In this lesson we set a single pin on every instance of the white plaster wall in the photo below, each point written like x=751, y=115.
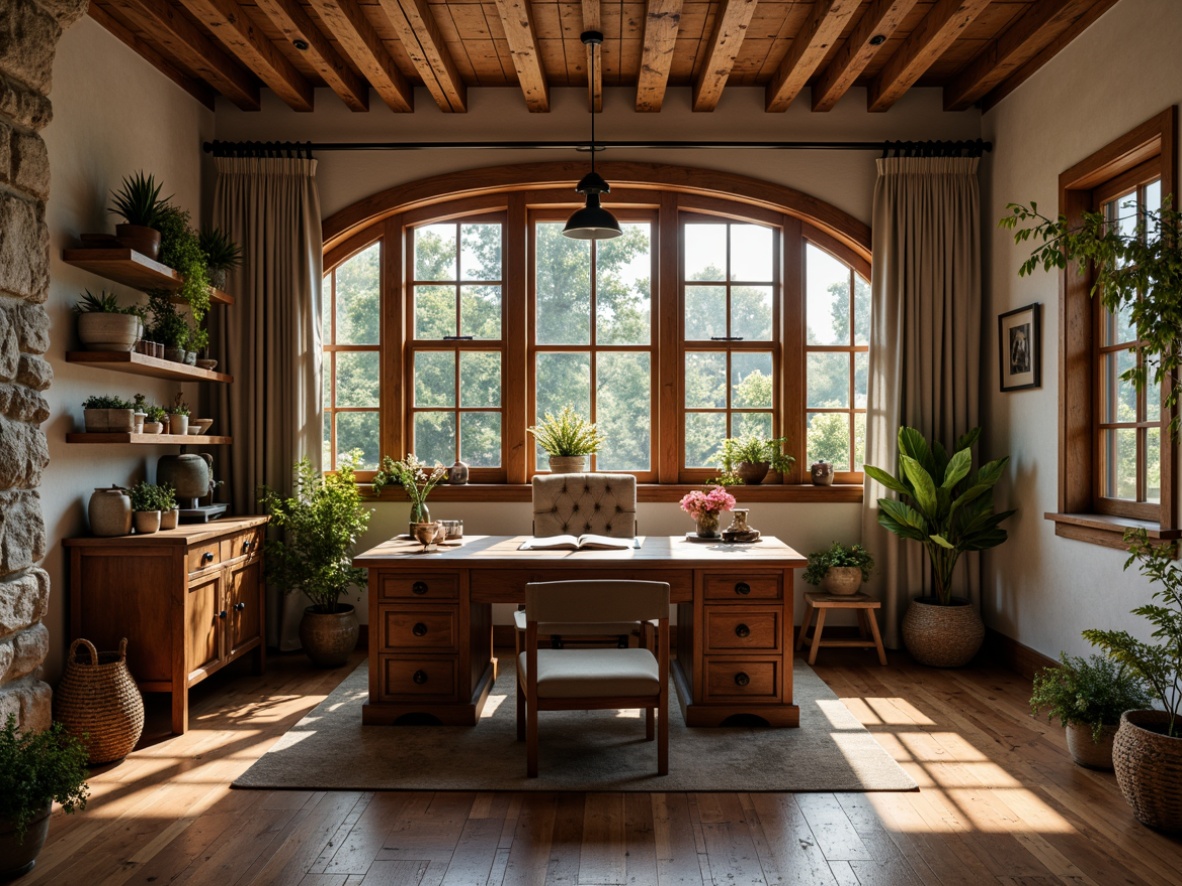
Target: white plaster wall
x=114, y=114
x=1041, y=589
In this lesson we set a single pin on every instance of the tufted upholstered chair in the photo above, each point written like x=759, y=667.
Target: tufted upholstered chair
x=604, y=504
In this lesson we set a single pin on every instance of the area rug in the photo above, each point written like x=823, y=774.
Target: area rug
x=330, y=749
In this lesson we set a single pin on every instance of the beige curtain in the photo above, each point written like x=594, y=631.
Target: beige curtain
x=269, y=340
x=925, y=343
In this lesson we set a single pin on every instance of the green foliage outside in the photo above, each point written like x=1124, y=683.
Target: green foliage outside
x=37, y=768
x=1091, y=692
x=838, y=554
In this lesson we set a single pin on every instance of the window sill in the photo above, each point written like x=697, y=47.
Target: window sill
x=1105, y=530
x=646, y=492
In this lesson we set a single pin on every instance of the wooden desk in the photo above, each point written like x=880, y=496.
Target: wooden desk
x=430, y=622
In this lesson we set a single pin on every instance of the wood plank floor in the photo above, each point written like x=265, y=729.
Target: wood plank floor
x=1000, y=802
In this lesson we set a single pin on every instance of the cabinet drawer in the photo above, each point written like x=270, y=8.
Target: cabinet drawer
x=242, y=545
x=403, y=678
x=435, y=629
x=742, y=679
x=420, y=587
x=204, y=556
x=729, y=628
x=738, y=588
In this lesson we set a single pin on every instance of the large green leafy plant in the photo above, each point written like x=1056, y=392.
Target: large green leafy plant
x=39, y=767
x=944, y=506
x=1091, y=691
x=319, y=527
x=566, y=434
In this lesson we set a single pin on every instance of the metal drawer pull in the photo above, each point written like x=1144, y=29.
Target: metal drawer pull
x=743, y=588
x=741, y=630
x=420, y=677
x=419, y=630
x=741, y=679
x=207, y=557
x=222, y=614
x=419, y=587
x=238, y=607
x=247, y=545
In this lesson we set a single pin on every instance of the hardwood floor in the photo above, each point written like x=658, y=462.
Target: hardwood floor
x=1000, y=802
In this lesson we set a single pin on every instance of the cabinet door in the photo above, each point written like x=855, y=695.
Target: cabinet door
x=244, y=605
x=203, y=623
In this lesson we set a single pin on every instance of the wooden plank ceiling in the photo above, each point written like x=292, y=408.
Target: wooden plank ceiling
x=811, y=51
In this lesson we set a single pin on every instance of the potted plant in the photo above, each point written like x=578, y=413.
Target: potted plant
x=146, y=504
x=36, y=769
x=417, y=480
x=781, y=462
x=139, y=413
x=170, y=512
x=567, y=439
x=178, y=418
x=222, y=255
x=840, y=569
x=154, y=419
x=180, y=249
x=750, y=457
x=105, y=326
x=318, y=527
x=138, y=203
x=706, y=507
x=108, y=415
x=949, y=510
x=170, y=329
x=1088, y=696
x=1147, y=750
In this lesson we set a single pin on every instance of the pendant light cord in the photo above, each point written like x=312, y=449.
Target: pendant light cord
x=590, y=39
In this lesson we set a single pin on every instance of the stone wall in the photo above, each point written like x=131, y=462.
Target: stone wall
x=29, y=32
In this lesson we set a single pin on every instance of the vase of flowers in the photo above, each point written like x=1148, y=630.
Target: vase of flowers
x=416, y=478
x=705, y=508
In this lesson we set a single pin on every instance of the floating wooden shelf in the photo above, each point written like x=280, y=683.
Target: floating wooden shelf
x=132, y=268
x=141, y=364
x=148, y=439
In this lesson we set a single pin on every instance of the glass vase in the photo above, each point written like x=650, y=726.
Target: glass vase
x=708, y=525
x=419, y=512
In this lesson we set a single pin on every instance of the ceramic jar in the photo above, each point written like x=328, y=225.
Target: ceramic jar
x=109, y=512
x=457, y=474
x=822, y=473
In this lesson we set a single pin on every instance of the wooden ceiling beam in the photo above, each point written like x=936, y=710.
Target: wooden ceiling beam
x=939, y=29
x=1038, y=27
x=518, y=21
x=229, y=24
x=730, y=27
x=199, y=89
x=296, y=24
x=593, y=53
x=346, y=21
x=827, y=19
x=421, y=38
x=177, y=36
x=662, y=20
x=881, y=19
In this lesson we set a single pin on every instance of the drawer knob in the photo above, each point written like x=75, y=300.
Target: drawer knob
x=420, y=677
x=222, y=614
x=247, y=545
x=419, y=630
x=238, y=607
x=741, y=679
x=741, y=630
x=419, y=587
x=207, y=557
x=742, y=589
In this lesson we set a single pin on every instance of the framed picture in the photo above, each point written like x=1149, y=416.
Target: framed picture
x=1019, y=342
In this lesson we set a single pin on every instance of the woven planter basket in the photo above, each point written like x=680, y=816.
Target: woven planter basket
x=98, y=699
x=1084, y=751
x=1148, y=767
x=942, y=636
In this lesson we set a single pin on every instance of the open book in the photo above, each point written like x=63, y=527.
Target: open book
x=586, y=542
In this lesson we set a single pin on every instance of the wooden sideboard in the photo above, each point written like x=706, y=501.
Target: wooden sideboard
x=189, y=601
x=430, y=622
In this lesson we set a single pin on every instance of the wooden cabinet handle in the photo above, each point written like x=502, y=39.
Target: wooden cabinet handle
x=207, y=557
x=741, y=630
x=742, y=588
x=238, y=607
x=419, y=587
x=741, y=679
x=420, y=677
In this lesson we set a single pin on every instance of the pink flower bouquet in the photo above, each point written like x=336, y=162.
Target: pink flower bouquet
x=698, y=503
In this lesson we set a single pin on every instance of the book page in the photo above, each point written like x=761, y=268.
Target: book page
x=589, y=541
x=550, y=543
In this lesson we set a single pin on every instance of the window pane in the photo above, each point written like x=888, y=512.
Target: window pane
x=623, y=270
x=1152, y=399
x=623, y=392
x=752, y=424
x=861, y=378
x=705, y=312
x=861, y=310
x=1120, y=400
x=1118, y=328
x=480, y=439
x=704, y=431
x=751, y=375
x=563, y=380
x=358, y=379
x=563, y=273
x=1119, y=447
x=859, y=440
x=827, y=298
x=829, y=380
x=752, y=253
x=705, y=380
x=435, y=252
x=359, y=298
x=829, y=439
x=751, y=313
x=1153, y=465
x=326, y=381
x=480, y=311
x=358, y=430
x=1153, y=196
x=435, y=380
x=326, y=444
x=480, y=379
x=705, y=252
x=435, y=312
x=326, y=331
x=435, y=437
x=480, y=252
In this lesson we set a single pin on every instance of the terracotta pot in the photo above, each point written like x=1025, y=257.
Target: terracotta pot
x=1148, y=766
x=842, y=581
x=16, y=857
x=141, y=238
x=568, y=464
x=146, y=522
x=1086, y=752
x=942, y=636
x=329, y=637
x=752, y=473
x=100, y=331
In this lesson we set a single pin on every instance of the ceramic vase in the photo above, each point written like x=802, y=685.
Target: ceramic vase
x=109, y=512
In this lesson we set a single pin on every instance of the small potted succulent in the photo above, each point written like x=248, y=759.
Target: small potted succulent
x=108, y=415
x=104, y=325
x=839, y=569
x=139, y=204
x=567, y=438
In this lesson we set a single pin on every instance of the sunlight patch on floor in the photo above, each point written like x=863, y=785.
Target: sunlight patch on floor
x=490, y=706
x=898, y=711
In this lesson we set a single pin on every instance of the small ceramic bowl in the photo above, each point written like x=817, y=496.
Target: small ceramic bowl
x=199, y=425
x=206, y=363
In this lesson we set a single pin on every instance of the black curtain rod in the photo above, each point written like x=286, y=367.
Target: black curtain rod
x=972, y=148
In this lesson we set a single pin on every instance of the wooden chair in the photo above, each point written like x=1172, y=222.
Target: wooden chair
x=593, y=679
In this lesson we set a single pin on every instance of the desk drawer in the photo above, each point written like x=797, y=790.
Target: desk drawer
x=416, y=678
x=243, y=545
x=204, y=556
x=435, y=630
x=508, y=585
x=730, y=680
x=428, y=586
x=729, y=628
x=738, y=588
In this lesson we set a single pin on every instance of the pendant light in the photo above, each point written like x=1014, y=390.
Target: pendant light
x=592, y=222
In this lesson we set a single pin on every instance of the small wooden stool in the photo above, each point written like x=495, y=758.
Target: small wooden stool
x=867, y=622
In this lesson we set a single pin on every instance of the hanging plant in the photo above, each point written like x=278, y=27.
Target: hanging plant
x=180, y=249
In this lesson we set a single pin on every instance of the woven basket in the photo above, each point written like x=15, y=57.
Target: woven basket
x=942, y=636
x=98, y=701
x=1148, y=767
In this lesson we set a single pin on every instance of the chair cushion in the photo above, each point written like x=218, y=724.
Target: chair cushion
x=590, y=673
